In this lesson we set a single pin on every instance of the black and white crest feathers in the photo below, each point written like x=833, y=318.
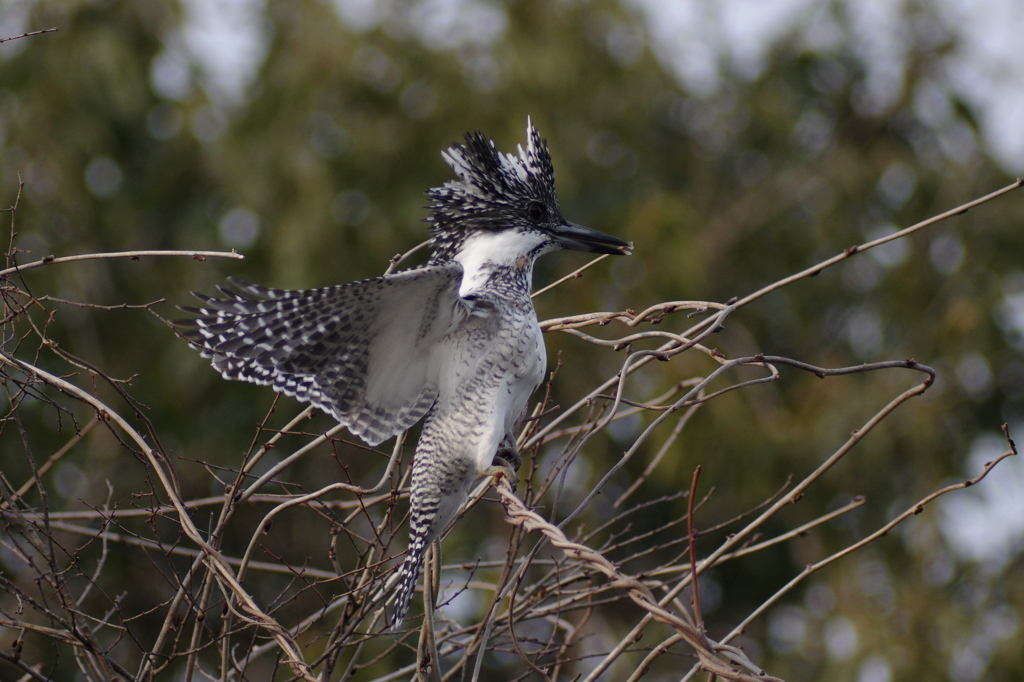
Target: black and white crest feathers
x=494, y=191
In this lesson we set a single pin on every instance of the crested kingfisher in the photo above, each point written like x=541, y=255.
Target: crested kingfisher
x=454, y=342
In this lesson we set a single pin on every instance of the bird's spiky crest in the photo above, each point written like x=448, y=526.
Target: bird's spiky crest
x=493, y=191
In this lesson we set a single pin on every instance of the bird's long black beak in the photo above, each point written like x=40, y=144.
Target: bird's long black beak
x=578, y=238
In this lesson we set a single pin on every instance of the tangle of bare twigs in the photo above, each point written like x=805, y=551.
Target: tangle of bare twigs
x=222, y=599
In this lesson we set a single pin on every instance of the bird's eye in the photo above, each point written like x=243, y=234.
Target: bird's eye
x=537, y=211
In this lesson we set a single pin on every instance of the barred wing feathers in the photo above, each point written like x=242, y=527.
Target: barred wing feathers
x=365, y=352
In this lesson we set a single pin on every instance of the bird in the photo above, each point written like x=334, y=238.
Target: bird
x=454, y=342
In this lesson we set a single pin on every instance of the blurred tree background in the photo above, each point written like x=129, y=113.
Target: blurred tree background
x=734, y=145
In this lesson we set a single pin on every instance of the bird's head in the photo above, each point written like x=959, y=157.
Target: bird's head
x=506, y=202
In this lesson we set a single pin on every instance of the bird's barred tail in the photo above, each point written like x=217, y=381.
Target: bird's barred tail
x=440, y=484
x=420, y=537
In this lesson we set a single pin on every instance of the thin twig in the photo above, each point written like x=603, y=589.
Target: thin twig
x=851, y=251
x=30, y=34
x=130, y=255
x=575, y=274
x=691, y=537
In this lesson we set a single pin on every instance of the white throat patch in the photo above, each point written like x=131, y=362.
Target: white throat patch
x=486, y=250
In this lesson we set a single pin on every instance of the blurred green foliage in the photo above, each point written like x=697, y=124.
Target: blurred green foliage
x=316, y=174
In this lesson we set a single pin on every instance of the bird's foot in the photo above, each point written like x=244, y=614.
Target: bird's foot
x=506, y=463
x=509, y=457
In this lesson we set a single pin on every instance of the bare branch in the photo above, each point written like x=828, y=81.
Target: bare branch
x=30, y=33
x=130, y=255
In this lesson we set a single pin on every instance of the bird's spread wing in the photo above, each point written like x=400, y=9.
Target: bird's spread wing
x=364, y=352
